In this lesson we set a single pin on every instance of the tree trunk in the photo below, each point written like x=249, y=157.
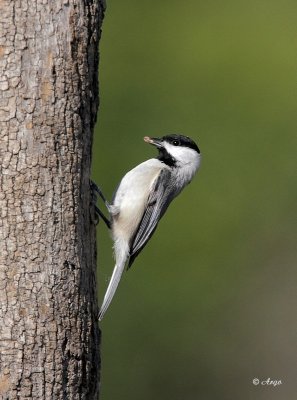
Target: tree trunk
x=49, y=336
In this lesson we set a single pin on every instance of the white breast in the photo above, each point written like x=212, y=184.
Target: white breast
x=131, y=197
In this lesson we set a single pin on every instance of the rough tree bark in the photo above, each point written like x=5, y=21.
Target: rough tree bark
x=49, y=336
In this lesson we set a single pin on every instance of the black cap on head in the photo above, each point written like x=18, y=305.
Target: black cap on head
x=181, y=140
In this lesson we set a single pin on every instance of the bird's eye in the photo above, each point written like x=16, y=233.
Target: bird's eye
x=175, y=143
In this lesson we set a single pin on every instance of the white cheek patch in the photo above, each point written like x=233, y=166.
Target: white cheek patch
x=182, y=154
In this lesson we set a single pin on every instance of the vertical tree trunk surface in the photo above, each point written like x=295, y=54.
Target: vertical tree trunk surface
x=49, y=336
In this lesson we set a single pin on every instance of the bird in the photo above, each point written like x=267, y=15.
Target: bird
x=141, y=199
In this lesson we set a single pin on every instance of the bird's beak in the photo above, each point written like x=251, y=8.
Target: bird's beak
x=154, y=141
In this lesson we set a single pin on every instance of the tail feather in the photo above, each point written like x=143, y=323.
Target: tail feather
x=112, y=287
x=121, y=249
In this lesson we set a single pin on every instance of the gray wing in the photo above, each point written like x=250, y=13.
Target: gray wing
x=159, y=199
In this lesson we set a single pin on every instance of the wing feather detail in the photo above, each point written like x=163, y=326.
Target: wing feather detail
x=159, y=199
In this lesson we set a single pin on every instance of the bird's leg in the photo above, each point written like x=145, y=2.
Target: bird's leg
x=95, y=189
x=106, y=220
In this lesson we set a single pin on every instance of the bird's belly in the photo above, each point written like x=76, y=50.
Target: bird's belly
x=131, y=200
x=126, y=223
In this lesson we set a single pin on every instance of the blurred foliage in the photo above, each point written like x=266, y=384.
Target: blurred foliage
x=210, y=304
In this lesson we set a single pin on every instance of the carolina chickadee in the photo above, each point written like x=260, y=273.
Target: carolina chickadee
x=142, y=198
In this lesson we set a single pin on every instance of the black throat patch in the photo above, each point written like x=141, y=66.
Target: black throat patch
x=166, y=158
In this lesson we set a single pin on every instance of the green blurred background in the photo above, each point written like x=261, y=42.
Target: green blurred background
x=211, y=302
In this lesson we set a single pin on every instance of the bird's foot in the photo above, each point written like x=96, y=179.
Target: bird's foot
x=99, y=214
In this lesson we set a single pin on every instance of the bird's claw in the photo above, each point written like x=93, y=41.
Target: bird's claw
x=94, y=191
